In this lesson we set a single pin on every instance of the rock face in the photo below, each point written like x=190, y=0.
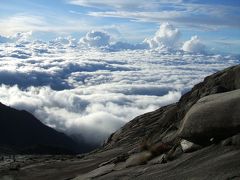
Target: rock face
x=213, y=117
x=163, y=124
x=21, y=132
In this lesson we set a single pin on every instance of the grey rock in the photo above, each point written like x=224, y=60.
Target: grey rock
x=158, y=160
x=119, y=158
x=188, y=146
x=233, y=140
x=215, y=116
x=227, y=142
x=236, y=139
x=96, y=172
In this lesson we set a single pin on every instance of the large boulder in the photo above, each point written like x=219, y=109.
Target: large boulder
x=212, y=118
x=220, y=82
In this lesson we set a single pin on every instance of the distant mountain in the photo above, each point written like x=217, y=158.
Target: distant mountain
x=21, y=132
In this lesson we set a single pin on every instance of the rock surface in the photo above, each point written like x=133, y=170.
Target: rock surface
x=138, y=159
x=216, y=116
x=188, y=146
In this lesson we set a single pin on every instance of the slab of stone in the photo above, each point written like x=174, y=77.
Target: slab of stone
x=213, y=117
x=158, y=160
x=96, y=172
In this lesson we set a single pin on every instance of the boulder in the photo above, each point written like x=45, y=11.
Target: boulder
x=188, y=146
x=213, y=117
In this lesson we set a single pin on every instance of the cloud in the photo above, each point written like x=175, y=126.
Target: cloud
x=194, y=45
x=124, y=4
x=4, y=39
x=187, y=14
x=166, y=37
x=118, y=46
x=20, y=37
x=96, y=39
x=66, y=41
x=93, y=91
x=58, y=25
x=101, y=39
x=94, y=116
x=21, y=23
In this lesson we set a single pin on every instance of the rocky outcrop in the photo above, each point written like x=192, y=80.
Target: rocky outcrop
x=163, y=124
x=212, y=118
x=206, y=115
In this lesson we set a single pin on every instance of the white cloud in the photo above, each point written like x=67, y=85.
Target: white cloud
x=21, y=23
x=4, y=39
x=166, y=37
x=93, y=92
x=194, y=45
x=52, y=24
x=123, y=4
x=19, y=37
x=188, y=14
x=101, y=39
x=96, y=39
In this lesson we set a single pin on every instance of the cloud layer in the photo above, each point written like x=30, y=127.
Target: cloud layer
x=94, y=86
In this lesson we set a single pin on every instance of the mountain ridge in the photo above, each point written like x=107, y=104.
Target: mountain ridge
x=21, y=132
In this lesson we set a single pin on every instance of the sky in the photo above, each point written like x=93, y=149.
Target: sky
x=88, y=67
x=215, y=22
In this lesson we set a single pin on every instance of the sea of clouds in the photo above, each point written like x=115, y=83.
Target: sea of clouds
x=93, y=86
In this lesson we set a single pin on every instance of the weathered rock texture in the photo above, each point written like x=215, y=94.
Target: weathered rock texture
x=213, y=117
x=163, y=124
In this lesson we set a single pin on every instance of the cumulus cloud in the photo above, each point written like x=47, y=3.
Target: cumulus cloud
x=166, y=37
x=102, y=40
x=20, y=37
x=93, y=92
x=96, y=39
x=194, y=45
x=65, y=41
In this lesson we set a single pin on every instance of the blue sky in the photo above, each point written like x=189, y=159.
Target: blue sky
x=216, y=22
